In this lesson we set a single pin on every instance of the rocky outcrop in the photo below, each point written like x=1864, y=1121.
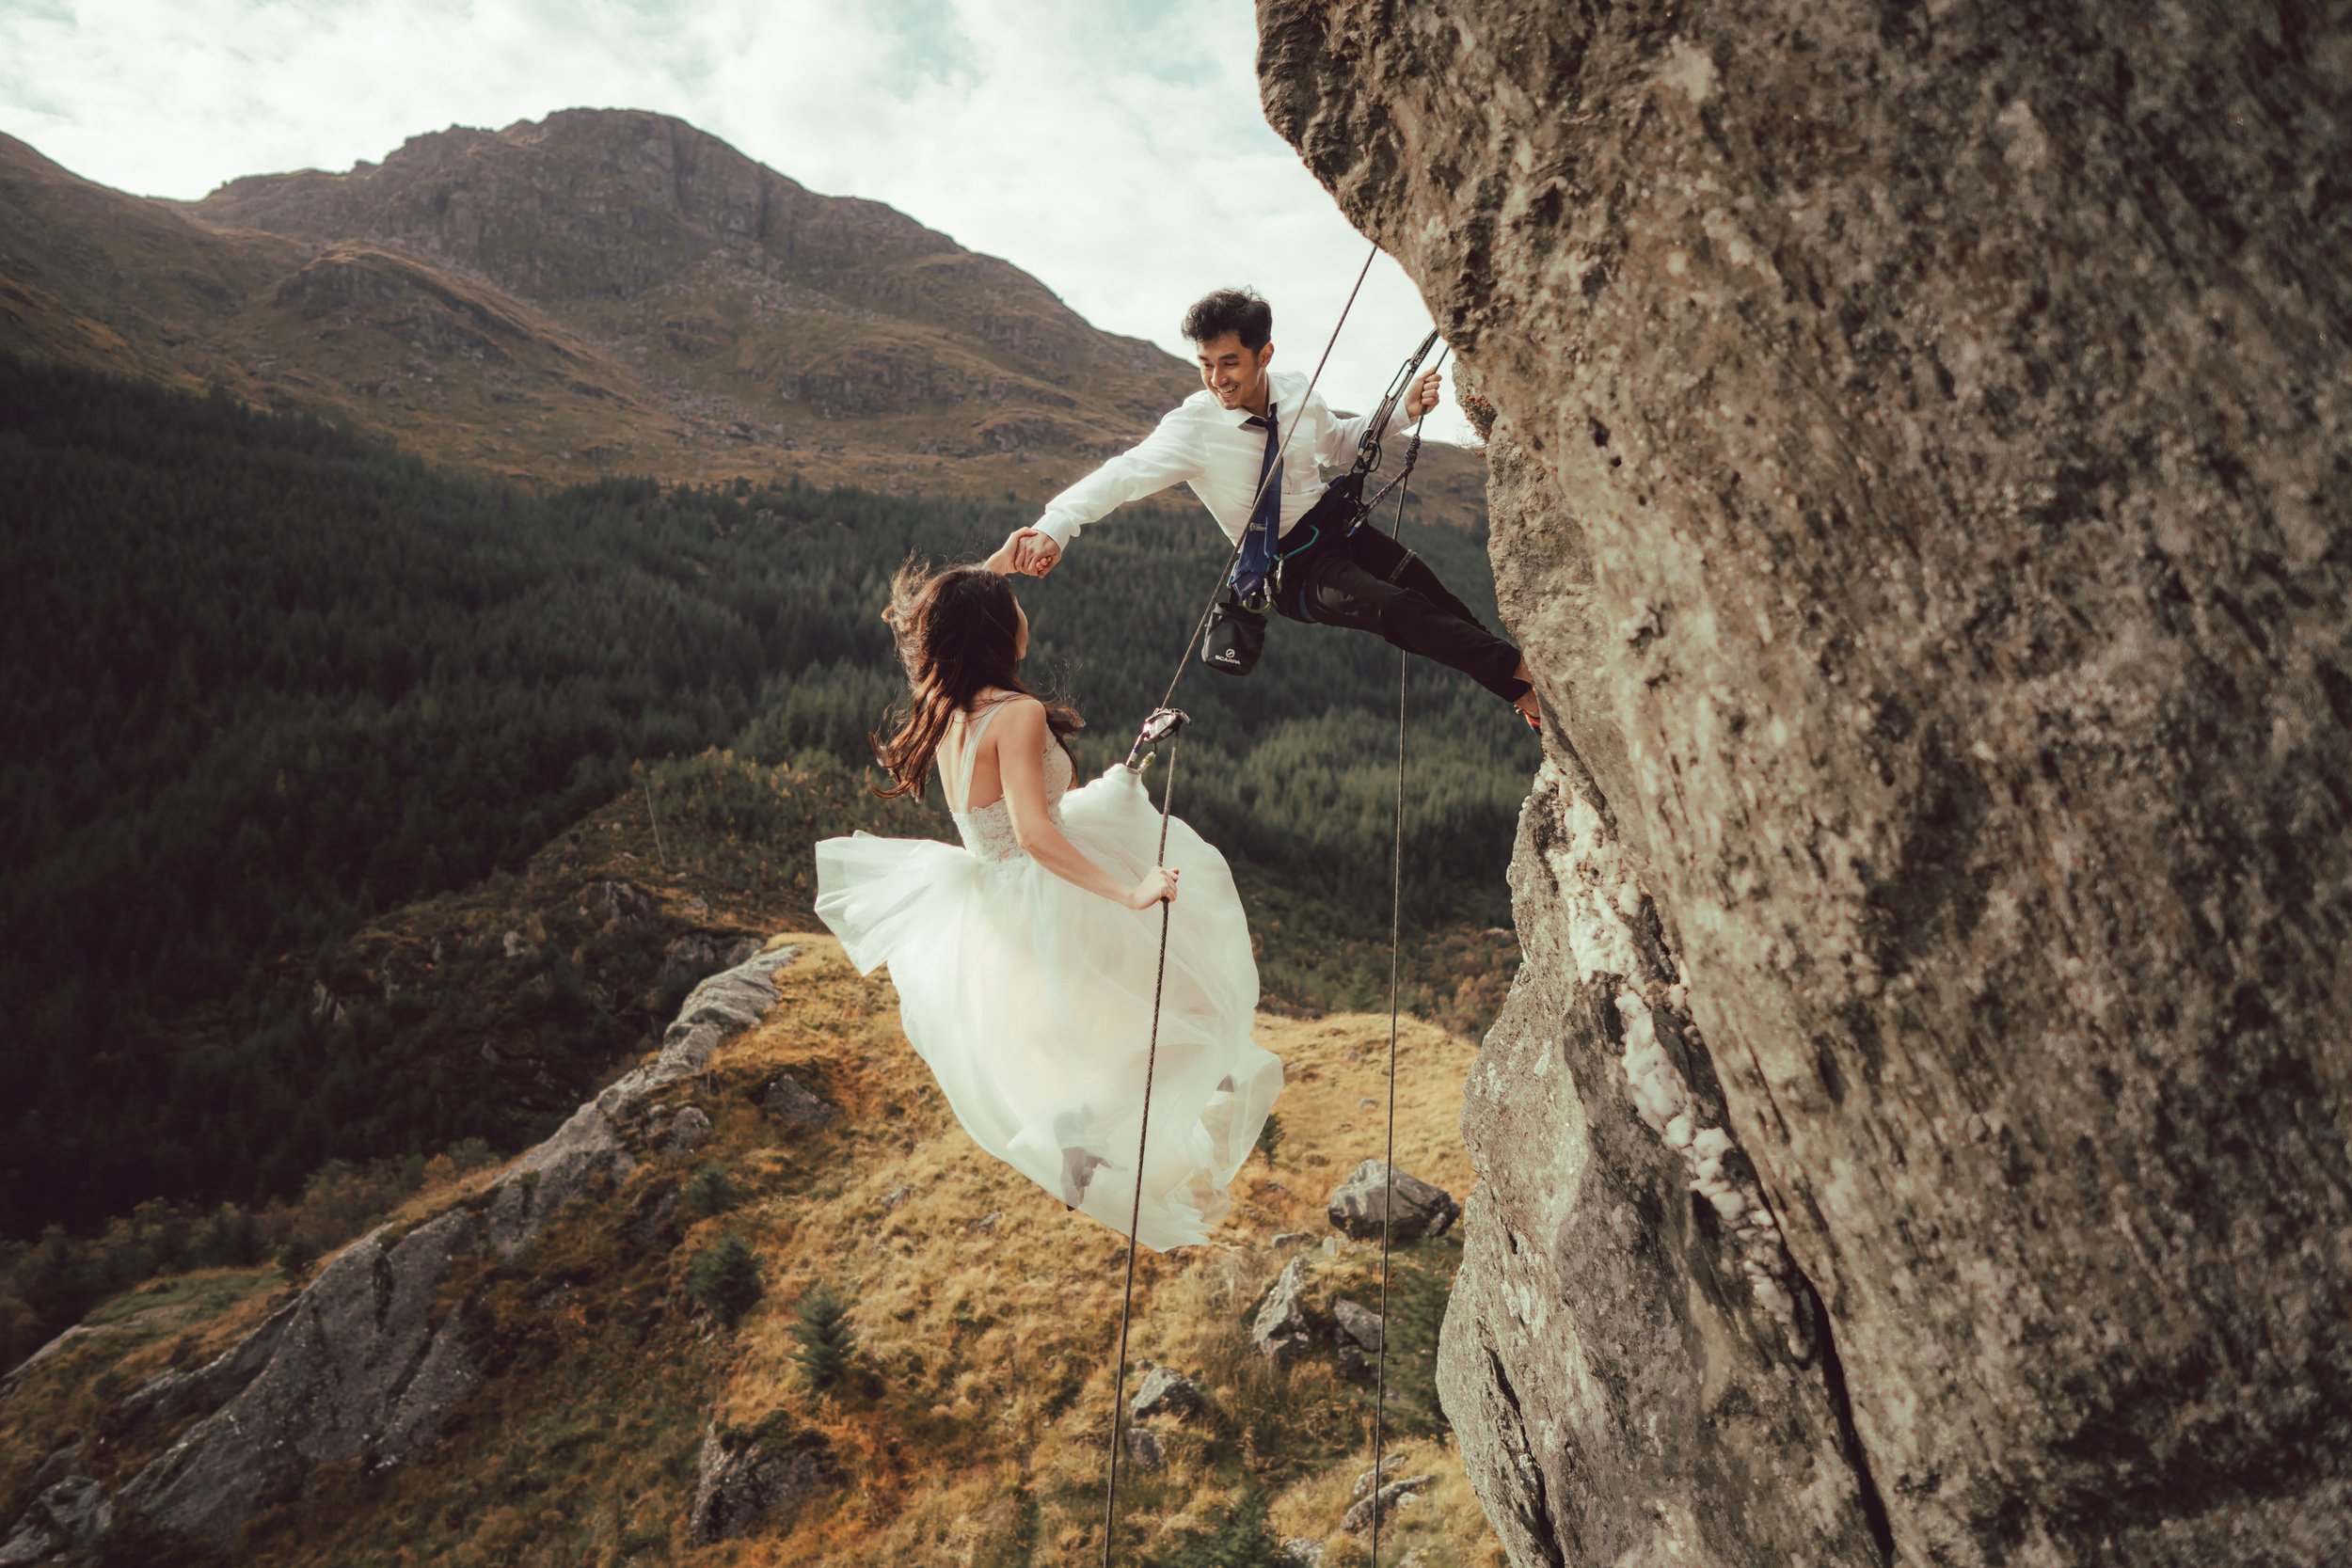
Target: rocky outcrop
x=363, y=1362
x=1358, y=1333
x=1167, y=1392
x=1285, y=1328
x=1380, y=1504
x=69, y=1515
x=751, y=1477
x=350, y=285
x=796, y=1106
x=1918, y=1128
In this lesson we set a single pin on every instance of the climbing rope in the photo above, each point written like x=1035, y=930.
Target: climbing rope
x=1171, y=732
x=1396, y=931
x=1166, y=723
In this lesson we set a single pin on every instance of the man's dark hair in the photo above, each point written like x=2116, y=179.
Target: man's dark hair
x=1239, y=310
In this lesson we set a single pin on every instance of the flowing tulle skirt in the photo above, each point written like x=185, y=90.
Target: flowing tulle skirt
x=1030, y=999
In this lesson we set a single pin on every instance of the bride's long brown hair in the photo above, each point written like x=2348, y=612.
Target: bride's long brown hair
x=957, y=631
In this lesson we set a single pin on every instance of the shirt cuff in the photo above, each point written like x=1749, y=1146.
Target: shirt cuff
x=1058, y=530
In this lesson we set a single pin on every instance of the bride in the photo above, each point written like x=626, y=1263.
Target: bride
x=1026, y=960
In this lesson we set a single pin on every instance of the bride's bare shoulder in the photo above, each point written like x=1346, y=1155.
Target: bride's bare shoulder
x=1023, y=712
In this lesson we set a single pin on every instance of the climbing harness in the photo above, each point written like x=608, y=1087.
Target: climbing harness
x=1234, y=649
x=1236, y=629
x=1165, y=724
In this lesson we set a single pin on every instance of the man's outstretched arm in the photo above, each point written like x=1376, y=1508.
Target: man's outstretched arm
x=1167, y=456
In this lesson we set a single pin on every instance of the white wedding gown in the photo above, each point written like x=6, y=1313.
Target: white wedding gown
x=1030, y=998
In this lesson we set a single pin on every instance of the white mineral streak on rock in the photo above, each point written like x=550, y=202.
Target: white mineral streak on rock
x=1595, y=886
x=1659, y=1092
x=1663, y=1101
x=1600, y=896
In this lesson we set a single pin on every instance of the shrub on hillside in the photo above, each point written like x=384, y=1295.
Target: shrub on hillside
x=723, y=1279
x=1242, y=1540
x=1270, y=1136
x=827, y=1341
x=710, y=1191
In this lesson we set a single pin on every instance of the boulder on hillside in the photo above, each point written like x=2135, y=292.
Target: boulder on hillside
x=1359, y=1325
x=700, y=953
x=1383, y=1502
x=799, y=1108
x=749, y=1476
x=1285, y=1328
x=1363, y=1479
x=1359, y=1337
x=686, y=1131
x=1421, y=1210
x=1168, y=1392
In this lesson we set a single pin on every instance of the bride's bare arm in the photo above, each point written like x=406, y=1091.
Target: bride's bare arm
x=1020, y=738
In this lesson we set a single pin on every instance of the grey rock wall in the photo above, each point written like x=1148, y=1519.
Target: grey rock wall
x=1941, y=600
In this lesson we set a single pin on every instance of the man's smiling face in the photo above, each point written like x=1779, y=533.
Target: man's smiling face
x=1234, y=374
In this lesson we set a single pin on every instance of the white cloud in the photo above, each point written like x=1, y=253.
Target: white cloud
x=1114, y=150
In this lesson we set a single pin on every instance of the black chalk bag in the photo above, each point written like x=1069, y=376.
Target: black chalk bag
x=1236, y=636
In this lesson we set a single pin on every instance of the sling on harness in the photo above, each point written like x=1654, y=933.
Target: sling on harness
x=1235, y=634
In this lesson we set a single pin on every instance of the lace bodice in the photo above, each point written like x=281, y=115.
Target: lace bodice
x=988, y=832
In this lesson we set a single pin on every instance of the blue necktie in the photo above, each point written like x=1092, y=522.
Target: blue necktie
x=1256, y=561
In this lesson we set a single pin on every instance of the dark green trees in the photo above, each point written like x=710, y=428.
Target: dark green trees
x=826, y=1339
x=723, y=1279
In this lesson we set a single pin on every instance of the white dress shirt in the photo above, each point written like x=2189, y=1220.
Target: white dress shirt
x=1205, y=444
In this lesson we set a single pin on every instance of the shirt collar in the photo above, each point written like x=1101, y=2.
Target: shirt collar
x=1278, y=398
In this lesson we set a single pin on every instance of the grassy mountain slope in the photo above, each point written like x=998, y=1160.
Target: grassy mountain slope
x=600, y=292
x=974, y=1428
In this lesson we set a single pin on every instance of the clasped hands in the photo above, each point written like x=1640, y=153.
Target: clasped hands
x=1026, y=551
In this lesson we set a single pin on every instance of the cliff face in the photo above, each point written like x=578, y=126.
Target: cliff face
x=1920, y=488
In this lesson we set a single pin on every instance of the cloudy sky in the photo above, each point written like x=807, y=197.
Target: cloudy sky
x=1113, y=148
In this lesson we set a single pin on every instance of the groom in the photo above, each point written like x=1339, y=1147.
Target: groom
x=1223, y=441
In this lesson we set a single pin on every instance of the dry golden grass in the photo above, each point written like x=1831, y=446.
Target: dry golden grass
x=997, y=1344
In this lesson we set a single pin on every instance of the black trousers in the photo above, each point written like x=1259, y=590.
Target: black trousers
x=1367, y=580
